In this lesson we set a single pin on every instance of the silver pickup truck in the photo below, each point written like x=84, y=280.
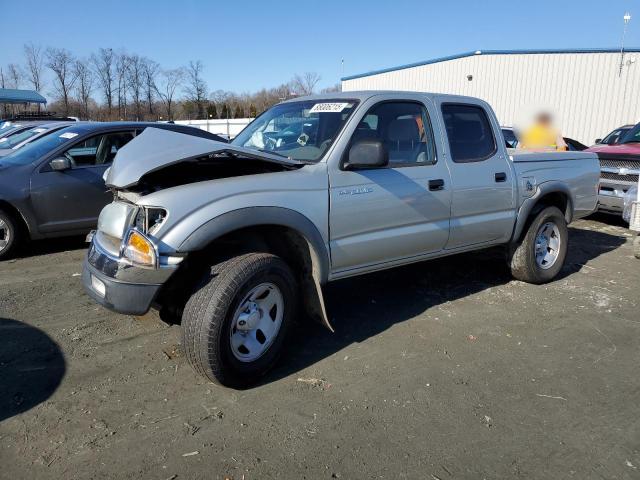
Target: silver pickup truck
x=231, y=239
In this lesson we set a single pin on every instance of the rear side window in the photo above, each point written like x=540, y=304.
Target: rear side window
x=469, y=132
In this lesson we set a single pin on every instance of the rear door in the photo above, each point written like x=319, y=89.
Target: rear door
x=483, y=196
x=72, y=199
x=383, y=215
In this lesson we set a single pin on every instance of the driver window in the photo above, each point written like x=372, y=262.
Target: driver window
x=405, y=131
x=98, y=150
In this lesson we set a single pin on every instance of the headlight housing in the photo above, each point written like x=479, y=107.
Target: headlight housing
x=139, y=249
x=149, y=219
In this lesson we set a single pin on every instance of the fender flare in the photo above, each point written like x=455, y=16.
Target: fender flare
x=530, y=203
x=257, y=216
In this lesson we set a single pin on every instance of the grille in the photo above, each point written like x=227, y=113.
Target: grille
x=607, y=162
x=614, y=177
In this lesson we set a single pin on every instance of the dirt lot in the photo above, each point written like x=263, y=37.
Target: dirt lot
x=442, y=370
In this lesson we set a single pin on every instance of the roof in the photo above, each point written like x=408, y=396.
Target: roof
x=12, y=95
x=491, y=52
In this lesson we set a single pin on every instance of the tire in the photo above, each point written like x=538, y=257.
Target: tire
x=9, y=235
x=636, y=246
x=211, y=322
x=531, y=268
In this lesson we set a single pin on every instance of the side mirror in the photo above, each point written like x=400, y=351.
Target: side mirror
x=367, y=154
x=598, y=140
x=60, y=164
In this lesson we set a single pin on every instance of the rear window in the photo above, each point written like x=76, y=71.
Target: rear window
x=469, y=132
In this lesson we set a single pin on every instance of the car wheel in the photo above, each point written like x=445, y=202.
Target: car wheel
x=235, y=322
x=539, y=257
x=9, y=232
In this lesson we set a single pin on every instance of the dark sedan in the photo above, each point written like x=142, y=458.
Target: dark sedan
x=54, y=185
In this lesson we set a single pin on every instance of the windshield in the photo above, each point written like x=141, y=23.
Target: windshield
x=13, y=140
x=34, y=150
x=301, y=130
x=632, y=136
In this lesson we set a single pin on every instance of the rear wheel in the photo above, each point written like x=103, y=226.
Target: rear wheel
x=539, y=257
x=9, y=232
x=236, y=320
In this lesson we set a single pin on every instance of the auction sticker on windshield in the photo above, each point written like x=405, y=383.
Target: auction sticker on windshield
x=68, y=135
x=328, y=107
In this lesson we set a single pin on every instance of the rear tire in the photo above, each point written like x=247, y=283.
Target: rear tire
x=235, y=323
x=9, y=235
x=540, y=255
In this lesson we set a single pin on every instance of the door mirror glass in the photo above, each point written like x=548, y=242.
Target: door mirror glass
x=367, y=154
x=60, y=164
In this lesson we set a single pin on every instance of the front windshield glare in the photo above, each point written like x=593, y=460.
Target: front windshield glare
x=34, y=150
x=302, y=130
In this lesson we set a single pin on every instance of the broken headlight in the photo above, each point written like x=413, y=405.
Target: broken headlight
x=149, y=219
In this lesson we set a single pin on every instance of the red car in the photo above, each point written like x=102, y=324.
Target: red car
x=619, y=167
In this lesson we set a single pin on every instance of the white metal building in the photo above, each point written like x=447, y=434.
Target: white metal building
x=586, y=89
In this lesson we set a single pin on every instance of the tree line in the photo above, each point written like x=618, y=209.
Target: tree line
x=117, y=85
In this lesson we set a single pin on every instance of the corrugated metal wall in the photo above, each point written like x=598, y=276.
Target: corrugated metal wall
x=584, y=90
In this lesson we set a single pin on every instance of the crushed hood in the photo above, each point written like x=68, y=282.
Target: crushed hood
x=156, y=148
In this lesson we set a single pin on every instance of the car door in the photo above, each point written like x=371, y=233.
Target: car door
x=483, y=196
x=382, y=215
x=72, y=199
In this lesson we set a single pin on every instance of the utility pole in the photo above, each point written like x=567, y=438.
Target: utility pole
x=626, y=19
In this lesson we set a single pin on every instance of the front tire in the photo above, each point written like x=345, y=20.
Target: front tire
x=9, y=233
x=236, y=321
x=539, y=257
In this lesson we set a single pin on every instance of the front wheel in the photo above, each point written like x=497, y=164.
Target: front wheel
x=539, y=257
x=235, y=323
x=9, y=232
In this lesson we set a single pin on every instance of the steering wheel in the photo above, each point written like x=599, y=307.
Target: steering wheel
x=68, y=156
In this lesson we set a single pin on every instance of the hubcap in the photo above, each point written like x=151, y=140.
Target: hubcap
x=4, y=235
x=256, y=322
x=547, y=246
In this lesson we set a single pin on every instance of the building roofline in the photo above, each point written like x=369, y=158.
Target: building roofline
x=489, y=52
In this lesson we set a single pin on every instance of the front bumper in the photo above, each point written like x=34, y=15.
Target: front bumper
x=118, y=285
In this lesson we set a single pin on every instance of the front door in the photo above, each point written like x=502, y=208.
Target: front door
x=387, y=214
x=483, y=197
x=72, y=199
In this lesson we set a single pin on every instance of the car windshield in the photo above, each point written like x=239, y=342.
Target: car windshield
x=34, y=150
x=301, y=130
x=632, y=136
x=13, y=140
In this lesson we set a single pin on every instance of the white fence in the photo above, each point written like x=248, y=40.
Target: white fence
x=229, y=128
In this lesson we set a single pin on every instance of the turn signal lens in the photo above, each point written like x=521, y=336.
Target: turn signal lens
x=139, y=249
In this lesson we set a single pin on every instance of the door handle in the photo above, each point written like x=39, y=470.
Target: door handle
x=435, y=185
x=501, y=177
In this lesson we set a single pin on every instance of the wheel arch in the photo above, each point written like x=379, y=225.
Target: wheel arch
x=10, y=209
x=548, y=194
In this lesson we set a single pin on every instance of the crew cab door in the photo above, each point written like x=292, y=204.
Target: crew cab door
x=383, y=215
x=483, y=196
x=72, y=199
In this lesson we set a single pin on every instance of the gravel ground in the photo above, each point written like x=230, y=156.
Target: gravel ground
x=441, y=370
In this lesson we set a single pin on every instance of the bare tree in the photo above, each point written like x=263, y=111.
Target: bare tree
x=61, y=62
x=196, y=88
x=150, y=70
x=305, y=84
x=335, y=88
x=35, y=65
x=14, y=74
x=121, y=67
x=170, y=80
x=84, y=85
x=104, y=69
x=135, y=82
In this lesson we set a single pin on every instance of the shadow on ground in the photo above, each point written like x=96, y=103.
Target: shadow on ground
x=364, y=306
x=31, y=367
x=52, y=245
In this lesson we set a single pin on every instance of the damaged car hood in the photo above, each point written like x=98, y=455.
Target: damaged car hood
x=156, y=148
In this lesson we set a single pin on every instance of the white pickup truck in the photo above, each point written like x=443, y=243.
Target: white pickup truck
x=229, y=239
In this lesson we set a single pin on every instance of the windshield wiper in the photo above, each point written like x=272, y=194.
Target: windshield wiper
x=264, y=150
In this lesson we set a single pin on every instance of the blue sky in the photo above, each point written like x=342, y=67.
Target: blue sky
x=249, y=45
